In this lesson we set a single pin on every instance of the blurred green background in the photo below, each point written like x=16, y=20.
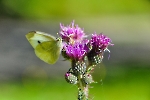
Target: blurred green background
x=125, y=76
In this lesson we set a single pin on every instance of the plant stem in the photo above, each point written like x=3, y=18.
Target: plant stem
x=82, y=89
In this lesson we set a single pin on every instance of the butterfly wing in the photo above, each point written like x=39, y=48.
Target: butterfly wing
x=46, y=47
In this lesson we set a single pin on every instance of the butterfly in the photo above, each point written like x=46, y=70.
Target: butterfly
x=46, y=47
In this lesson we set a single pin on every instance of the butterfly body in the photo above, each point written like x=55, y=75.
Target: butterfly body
x=46, y=47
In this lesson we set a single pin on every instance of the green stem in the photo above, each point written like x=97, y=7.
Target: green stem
x=82, y=89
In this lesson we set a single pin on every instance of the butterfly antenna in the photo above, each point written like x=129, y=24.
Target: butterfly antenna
x=59, y=38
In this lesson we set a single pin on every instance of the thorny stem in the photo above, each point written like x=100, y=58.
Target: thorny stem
x=82, y=89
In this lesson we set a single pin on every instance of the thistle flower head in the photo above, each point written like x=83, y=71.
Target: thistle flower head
x=76, y=51
x=71, y=33
x=100, y=42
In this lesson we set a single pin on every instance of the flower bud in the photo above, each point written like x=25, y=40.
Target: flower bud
x=88, y=79
x=78, y=67
x=70, y=78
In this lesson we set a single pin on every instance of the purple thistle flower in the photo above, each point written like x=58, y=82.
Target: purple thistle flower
x=76, y=51
x=100, y=42
x=71, y=33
